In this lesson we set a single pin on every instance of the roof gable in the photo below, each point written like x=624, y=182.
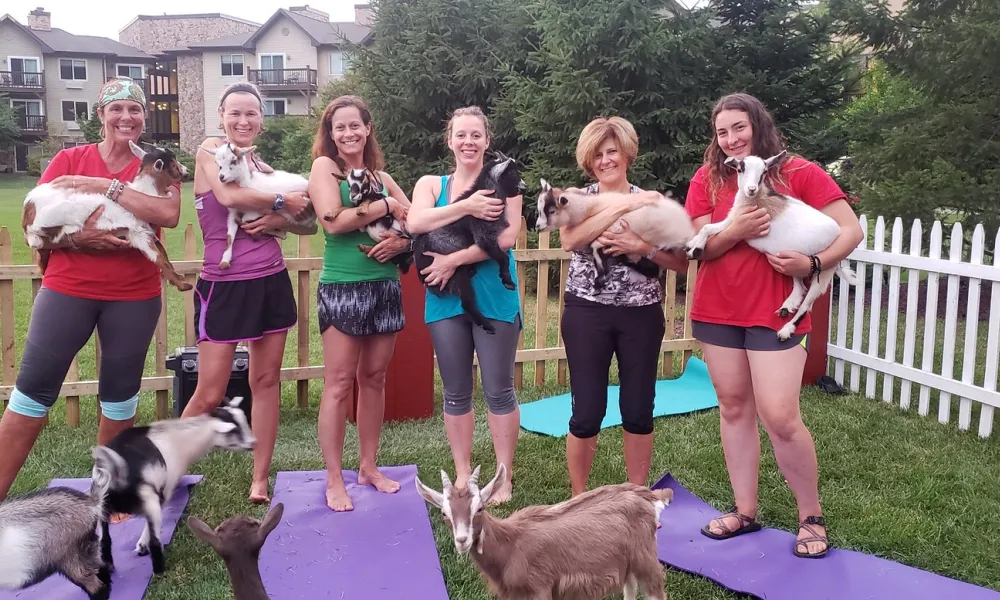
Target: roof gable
x=320, y=33
x=59, y=41
x=9, y=19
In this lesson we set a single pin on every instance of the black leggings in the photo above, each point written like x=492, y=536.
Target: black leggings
x=592, y=333
x=60, y=326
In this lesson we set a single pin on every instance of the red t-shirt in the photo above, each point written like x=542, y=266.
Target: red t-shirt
x=740, y=287
x=113, y=275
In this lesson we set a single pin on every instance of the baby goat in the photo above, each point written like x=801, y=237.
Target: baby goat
x=587, y=547
x=502, y=176
x=365, y=188
x=234, y=166
x=54, y=530
x=795, y=227
x=238, y=541
x=663, y=223
x=150, y=460
x=52, y=213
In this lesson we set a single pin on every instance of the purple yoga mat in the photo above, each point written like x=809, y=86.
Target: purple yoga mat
x=132, y=572
x=762, y=563
x=382, y=549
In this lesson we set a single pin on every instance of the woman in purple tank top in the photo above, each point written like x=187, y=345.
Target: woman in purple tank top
x=251, y=300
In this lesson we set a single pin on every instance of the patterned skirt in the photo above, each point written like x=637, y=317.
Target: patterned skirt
x=361, y=308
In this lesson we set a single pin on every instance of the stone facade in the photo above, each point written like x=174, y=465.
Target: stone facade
x=191, y=98
x=154, y=34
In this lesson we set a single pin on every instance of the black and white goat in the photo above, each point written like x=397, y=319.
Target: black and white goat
x=238, y=541
x=54, y=530
x=149, y=461
x=52, y=213
x=594, y=544
x=365, y=188
x=234, y=166
x=661, y=222
x=501, y=175
x=794, y=227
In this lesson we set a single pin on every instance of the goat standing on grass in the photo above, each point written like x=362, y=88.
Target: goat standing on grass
x=234, y=167
x=238, y=541
x=585, y=548
x=54, y=530
x=795, y=227
x=51, y=213
x=149, y=462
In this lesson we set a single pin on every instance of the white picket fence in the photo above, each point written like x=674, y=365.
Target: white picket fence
x=923, y=366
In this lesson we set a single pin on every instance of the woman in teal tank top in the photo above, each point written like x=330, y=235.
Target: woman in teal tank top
x=454, y=335
x=359, y=299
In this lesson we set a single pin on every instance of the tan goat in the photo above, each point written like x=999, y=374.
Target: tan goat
x=585, y=548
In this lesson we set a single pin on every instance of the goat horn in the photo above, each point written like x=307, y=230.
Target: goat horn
x=444, y=480
x=474, y=478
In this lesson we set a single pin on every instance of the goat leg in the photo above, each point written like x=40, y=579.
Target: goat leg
x=463, y=285
x=494, y=251
x=696, y=245
x=106, y=557
x=231, y=227
x=167, y=267
x=818, y=285
x=149, y=541
x=89, y=576
x=794, y=299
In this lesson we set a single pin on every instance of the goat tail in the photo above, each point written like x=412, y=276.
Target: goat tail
x=847, y=274
x=109, y=464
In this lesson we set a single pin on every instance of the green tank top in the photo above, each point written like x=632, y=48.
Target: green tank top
x=343, y=262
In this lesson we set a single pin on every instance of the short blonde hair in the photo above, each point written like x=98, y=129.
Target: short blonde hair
x=599, y=130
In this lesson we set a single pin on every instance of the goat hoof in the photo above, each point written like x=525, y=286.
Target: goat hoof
x=784, y=312
x=142, y=549
x=224, y=264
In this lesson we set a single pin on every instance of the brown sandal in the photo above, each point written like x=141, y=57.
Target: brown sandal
x=814, y=537
x=747, y=525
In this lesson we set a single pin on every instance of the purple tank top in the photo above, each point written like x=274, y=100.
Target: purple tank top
x=251, y=259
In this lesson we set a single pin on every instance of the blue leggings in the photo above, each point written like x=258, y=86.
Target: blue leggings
x=60, y=326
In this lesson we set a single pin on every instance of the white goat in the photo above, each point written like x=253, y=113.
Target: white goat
x=52, y=213
x=238, y=541
x=149, y=461
x=234, y=166
x=54, y=530
x=664, y=224
x=795, y=227
x=587, y=547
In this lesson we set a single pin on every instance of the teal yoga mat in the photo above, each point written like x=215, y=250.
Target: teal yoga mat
x=691, y=391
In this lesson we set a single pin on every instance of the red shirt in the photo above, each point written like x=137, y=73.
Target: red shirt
x=740, y=287
x=113, y=275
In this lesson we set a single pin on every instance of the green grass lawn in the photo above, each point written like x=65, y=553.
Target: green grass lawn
x=892, y=483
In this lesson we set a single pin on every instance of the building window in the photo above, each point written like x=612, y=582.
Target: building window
x=131, y=71
x=73, y=108
x=73, y=69
x=339, y=62
x=273, y=108
x=232, y=64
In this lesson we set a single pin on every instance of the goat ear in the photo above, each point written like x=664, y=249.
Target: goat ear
x=775, y=159
x=158, y=165
x=203, y=532
x=110, y=461
x=270, y=521
x=244, y=151
x=435, y=498
x=545, y=185
x=136, y=149
x=224, y=426
x=731, y=162
x=491, y=487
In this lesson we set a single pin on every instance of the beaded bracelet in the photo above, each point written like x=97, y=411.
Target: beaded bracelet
x=114, y=190
x=816, y=265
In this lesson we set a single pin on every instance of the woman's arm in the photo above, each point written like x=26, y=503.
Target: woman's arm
x=324, y=191
x=605, y=211
x=230, y=195
x=424, y=216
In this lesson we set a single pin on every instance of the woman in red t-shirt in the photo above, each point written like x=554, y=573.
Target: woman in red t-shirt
x=734, y=315
x=91, y=280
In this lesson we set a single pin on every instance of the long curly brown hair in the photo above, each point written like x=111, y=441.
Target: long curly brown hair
x=766, y=142
x=323, y=144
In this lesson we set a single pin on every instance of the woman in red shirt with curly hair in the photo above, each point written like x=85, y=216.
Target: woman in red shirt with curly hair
x=734, y=315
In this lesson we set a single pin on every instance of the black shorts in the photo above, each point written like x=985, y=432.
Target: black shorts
x=227, y=312
x=745, y=338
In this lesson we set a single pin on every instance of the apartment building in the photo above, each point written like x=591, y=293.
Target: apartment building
x=184, y=62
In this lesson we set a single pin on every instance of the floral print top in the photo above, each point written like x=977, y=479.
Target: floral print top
x=624, y=286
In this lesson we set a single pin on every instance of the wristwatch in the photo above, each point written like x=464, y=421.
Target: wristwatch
x=279, y=202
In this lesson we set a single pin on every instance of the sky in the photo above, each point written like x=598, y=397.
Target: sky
x=106, y=19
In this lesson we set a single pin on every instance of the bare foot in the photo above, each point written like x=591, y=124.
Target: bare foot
x=258, y=492
x=377, y=479
x=119, y=517
x=336, y=496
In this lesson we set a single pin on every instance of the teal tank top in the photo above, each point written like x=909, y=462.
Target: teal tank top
x=494, y=300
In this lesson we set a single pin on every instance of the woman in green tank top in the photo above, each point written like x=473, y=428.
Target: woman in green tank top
x=359, y=299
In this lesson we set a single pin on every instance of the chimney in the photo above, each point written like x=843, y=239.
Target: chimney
x=40, y=20
x=363, y=14
x=312, y=13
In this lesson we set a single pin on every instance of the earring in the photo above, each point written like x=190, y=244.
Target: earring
x=220, y=126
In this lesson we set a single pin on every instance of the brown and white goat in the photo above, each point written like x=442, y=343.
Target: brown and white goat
x=52, y=213
x=238, y=541
x=585, y=548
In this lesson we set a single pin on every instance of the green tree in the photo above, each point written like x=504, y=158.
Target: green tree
x=91, y=127
x=9, y=129
x=927, y=146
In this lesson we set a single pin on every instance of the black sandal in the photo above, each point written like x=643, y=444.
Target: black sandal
x=804, y=542
x=747, y=525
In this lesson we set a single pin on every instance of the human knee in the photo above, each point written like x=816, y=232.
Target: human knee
x=586, y=420
x=638, y=420
x=782, y=424
x=265, y=379
x=736, y=406
x=457, y=404
x=374, y=378
x=121, y=410
x=501, y=401
x=27, y=405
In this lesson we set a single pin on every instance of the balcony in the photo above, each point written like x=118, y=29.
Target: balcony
x=19, y=81
x=284, y=80
x=31, y=124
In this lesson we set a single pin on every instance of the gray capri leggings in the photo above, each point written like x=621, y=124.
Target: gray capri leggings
x=455, y=339
x=60, y=326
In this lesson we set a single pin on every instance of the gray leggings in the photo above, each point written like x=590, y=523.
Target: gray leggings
x=60, y=327
x=455, y=339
